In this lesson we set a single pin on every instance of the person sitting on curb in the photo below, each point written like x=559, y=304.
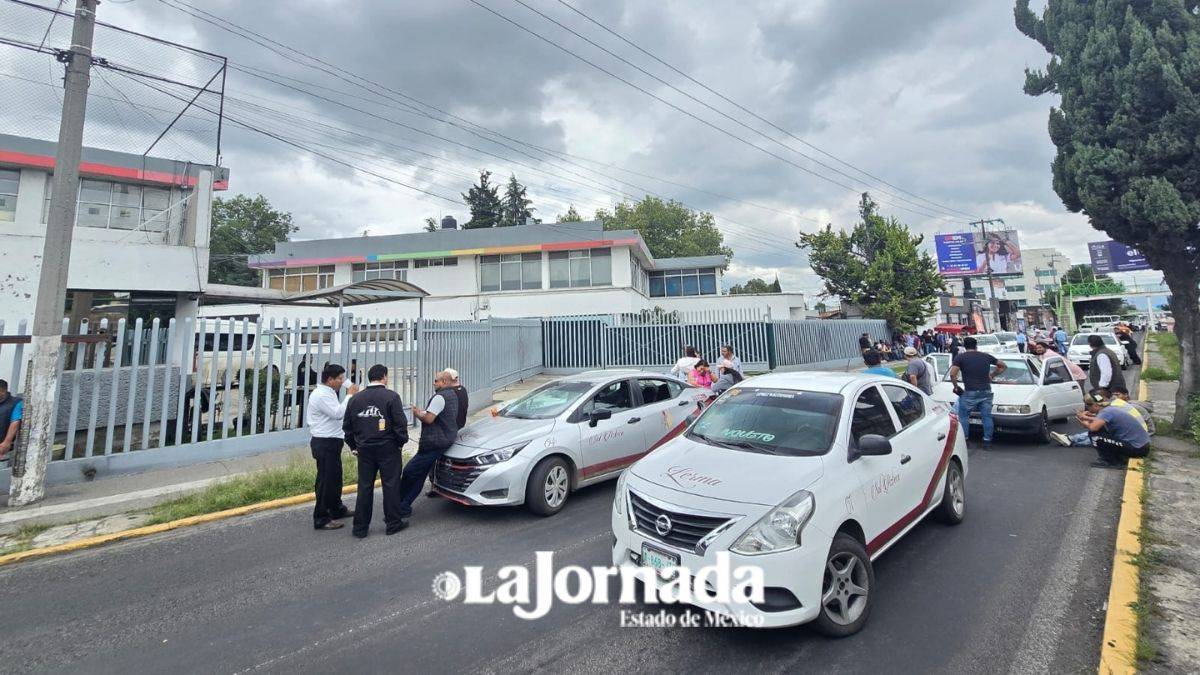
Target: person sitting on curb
x=1120, y=398
x=1115, y=433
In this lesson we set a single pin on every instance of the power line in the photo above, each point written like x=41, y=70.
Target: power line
x=753, y=114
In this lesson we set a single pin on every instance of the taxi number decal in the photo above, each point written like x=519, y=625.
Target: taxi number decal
x=884, y=483
x=748, y=435
x=605, y=437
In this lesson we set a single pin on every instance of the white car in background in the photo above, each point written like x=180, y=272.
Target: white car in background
x=1027, y=396
x=990, y=344
x=562, y=436
x=808, y=476
x=1008, y=342
x=940, y=362
x=1081, y=354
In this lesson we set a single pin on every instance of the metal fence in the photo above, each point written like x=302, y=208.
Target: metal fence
x=815, y=342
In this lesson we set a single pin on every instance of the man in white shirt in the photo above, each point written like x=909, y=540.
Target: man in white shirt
x=323, y=416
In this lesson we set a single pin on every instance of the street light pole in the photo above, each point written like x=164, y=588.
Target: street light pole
x=31, y=458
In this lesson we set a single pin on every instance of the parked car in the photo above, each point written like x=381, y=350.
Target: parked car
x=1008, y=342
x=990, y=344
x=1027, y=396
x=1081, y=354
x=562, y=436
x=808, y=476
x=940, y=362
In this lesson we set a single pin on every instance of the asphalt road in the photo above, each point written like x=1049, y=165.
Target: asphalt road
x=1019, y=587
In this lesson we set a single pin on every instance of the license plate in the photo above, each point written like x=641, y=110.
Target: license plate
x=658, y=559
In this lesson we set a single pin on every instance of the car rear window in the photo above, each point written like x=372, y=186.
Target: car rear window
x=773, y=421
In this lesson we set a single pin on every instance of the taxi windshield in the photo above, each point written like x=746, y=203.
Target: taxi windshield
x=1018, y=371
x=545, y=402
x=771, y=421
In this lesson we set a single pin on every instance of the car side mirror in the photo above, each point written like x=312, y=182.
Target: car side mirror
x=872, y=445
x=598, y=415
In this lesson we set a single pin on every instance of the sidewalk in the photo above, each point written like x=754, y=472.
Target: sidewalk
x=89, y=501
x=1170, y=560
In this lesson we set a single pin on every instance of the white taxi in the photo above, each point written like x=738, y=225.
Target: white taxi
x=808, y=476
x=1080, y=352
x=564, y=435
x=1026, y=396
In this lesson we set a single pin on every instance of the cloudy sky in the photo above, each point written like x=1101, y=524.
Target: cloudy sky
x=923, y=94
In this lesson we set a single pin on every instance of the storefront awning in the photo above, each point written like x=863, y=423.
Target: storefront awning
x=347, y=295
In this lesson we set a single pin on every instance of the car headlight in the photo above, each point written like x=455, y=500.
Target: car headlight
x=619, y=497
x=1011, y=409
x=501, y=455
x=780, y=529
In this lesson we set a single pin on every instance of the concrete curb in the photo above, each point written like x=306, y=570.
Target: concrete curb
x=1117, y=649
x=145, y=531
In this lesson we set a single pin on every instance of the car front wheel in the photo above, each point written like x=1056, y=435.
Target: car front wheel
x=953, y=508
x=548, y=487
x=1043, y=431
x=846, y=589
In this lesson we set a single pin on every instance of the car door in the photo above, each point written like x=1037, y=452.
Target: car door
x=615, y=442
x=1062, y=394
x=919, y=442
x=664, y=409
x=880, y=494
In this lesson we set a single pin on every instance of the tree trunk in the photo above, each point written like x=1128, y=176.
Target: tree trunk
x=1185, y=307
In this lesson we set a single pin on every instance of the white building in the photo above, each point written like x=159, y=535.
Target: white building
x=140, y=246
x=532, y=270
x=1042, y=272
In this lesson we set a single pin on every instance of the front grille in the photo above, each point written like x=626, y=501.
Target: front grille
x=686, y=529
x=451, y=475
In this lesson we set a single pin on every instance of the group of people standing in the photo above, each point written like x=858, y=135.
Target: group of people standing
x=700, y=373
x=371, y=421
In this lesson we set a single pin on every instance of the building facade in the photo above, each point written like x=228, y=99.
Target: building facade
x=140, y=245
x=530, y=270
x=1042, y=272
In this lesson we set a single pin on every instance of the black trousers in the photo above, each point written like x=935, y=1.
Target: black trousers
x=414, y=478
x=328, y=454
x=385, y=462
x=1116, y=452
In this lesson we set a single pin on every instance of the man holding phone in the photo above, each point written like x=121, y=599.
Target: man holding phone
x=978, y=370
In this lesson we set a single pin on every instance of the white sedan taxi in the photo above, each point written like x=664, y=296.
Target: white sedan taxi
x=564, y=435
x=991, y=344
x=1080, y=352
x=1026, y=396
x=807, y=476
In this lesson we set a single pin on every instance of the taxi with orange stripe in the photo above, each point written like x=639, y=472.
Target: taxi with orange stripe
x=570, y=433
x=807, y=476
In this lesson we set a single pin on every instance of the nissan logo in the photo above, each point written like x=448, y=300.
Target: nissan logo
x=662, y=525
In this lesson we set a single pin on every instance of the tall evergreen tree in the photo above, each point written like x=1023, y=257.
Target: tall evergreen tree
x=431, y=225
x=1127, y=73
x=516, y=207
x=878, y=266
x=483, y=200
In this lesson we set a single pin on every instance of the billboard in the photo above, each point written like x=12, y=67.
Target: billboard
x=1113, y=256
x=969, y=253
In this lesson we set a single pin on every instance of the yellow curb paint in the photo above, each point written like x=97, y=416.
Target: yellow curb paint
x=147, y=530
x=1120, y=621
x=1143, y=393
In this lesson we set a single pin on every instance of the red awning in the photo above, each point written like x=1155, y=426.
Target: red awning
x=952, y=328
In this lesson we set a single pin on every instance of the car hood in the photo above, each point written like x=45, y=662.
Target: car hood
x=739, y=476
x=493, y=433
x=1002, y=394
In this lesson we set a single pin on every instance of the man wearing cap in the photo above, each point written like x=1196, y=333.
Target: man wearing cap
x=1116, y=434
x=917, y=372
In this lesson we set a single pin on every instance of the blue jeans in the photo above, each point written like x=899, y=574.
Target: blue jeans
x=1082, y=438
x=969, y=401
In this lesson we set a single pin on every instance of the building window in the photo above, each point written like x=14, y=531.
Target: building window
x=293, y=279
x=677, y=283
x=119, y=206
x=9, y=181
x=510, y=272
x=1046, y=273
x=1016, y=288
x=580, y=269
x=393, y=269
x=435, y=262
x=638, y=277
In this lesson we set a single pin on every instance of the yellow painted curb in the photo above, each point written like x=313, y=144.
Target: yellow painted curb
x=1120, y=621
x=1143, y=391
x=100, y=540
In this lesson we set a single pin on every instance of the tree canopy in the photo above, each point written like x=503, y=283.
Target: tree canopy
x=571, y=216
x=670, y=229
x=1127, y=74
x=242, y=226
x=483, y=200
x=878, y=266
x=516, y=207
x=756, y=285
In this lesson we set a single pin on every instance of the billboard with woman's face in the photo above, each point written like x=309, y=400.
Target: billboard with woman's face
x=970, y=253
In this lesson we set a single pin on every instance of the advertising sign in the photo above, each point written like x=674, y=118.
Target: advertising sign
x=969, y=254
x=1113, y=256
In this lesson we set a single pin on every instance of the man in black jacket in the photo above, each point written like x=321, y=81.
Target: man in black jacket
x=376, y=430
x=439, y=428
x=464, y=404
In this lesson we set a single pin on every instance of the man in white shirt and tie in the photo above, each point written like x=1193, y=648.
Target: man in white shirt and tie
x=323, y=416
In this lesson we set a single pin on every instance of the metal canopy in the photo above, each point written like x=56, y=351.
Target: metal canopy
x=347, y=295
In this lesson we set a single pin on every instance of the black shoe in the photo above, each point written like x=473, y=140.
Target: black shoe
x=403, y=525
x=344, y=514
x=359, y=535
x=987, y=445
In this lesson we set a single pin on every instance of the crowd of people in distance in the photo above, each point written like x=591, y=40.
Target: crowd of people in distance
x=699, y=372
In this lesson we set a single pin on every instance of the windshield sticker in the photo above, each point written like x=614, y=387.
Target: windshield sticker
x=686, y=476
x=748, y=435
x=777, y=394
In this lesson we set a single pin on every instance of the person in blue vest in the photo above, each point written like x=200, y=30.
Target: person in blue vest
x=12, y=410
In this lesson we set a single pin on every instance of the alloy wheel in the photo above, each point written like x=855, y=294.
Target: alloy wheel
x=556, y=487
x=845, y=591
x=957, y=491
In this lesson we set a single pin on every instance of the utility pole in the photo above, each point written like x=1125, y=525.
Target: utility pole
x=991, y=289
x=31, y=458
